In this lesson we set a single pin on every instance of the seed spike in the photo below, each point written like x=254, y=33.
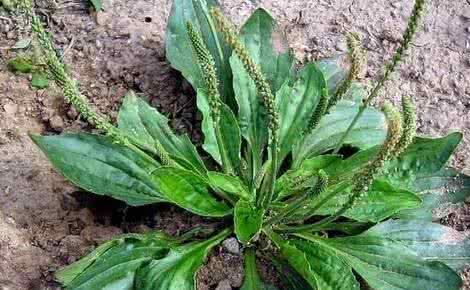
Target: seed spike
x=408, y=126
x=363, y=179
x=320, y=110
x=410, y=31
x=207, y=65
x=358, y=60
x=320, y=186
x=264, y=90
x=72, y=93
x=231, y=36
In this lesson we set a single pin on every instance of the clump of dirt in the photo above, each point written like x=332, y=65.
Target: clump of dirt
x=47, y=223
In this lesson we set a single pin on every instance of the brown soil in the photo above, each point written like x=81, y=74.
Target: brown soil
x=46, y=223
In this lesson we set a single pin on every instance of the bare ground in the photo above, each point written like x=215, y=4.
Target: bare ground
x=46, y=223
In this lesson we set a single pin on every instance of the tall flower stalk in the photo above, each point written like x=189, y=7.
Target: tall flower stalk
x=72, y=94
x=264, y=90
x=207, y=65
x=364, y=178
x=389, y=68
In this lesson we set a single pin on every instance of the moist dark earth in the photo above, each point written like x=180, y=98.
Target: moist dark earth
x=46, y=223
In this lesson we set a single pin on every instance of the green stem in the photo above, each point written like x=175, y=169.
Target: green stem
x=321, y=184
x=295, y=205
x=321, y=224
x=72, y=94
x=261, y=173
x=390, y=68
x=267, y=199
x=225, y=196
x=226, y=164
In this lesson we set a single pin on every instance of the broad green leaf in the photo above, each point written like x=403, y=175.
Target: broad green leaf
x=342, y=169
x=430, y=241
x=189, y=191
x=290, y=278
x=369, y=131
x=22, y=64
x=179, y=50
x=319, y=266
x=146, y=124
x=228, y=127
x=39, y=80
x=251, y=113
x=97, y=4
x=252, y=279
x=423, y=158
x=441, y=192
x=347, y=227
x=113, y=265
x=335, y=70
x=421, y=169
x=228, y=183
x=177, y=271
x=299, y=179
x=295, y=104
x=67, y=274
x=96, y=164
x=248, y=221
x=386, y=264
x=380, y=202
x=139, y=261
x=267, y=47
x=9, y=5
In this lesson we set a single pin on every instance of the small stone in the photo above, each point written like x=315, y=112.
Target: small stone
x=466, y=13
x=73, y=247
x=101, y=18
x=341, y=46
x=56, y=123
x=6, y=28
x=224, y=285
x=10, y=109
x=396, y=4
x=11, y=35
x=232, y=246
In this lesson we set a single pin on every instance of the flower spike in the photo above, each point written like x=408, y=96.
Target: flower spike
x=319, y=111
x=72, y=93
x=358, y=60
x=207, y=64
x=264, y=90
x=408, y=126
x=231, y=36
x=410, y=31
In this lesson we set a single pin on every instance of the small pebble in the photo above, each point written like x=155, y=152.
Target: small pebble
x=224, y=285
x=466, y=13
x=56, y=123
x=11, y=35
x=232, y=246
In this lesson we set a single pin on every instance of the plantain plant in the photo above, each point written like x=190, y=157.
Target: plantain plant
x=305, y=172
